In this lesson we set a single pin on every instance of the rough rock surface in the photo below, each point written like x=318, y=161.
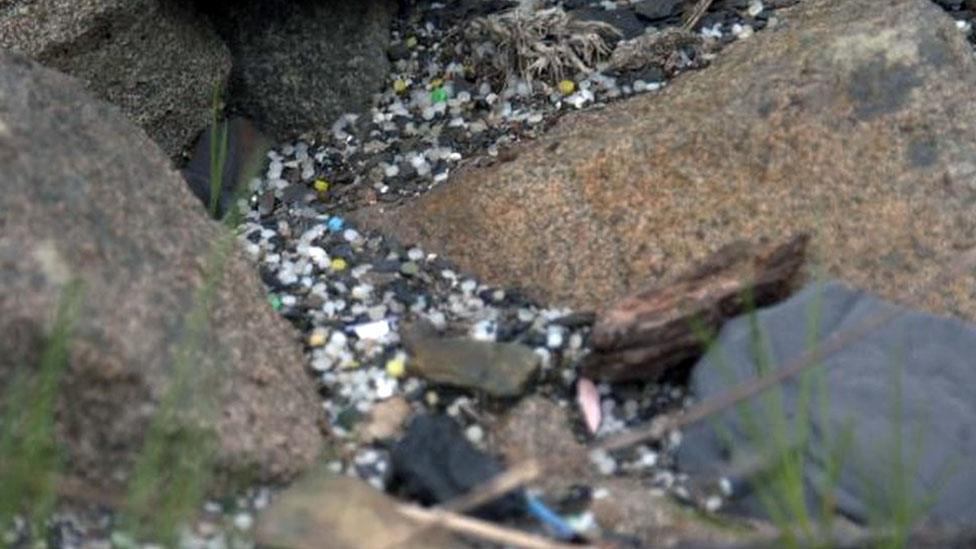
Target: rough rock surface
x=539, y=429
x=929, y=357
x=632, y=508
x=854, y=123
x=154, y=59
x=87, y=196
x=299, y=65
x=323, y=509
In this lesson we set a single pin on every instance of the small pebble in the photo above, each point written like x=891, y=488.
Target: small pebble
x=554, y=337
x=755, y=8
x=350, y=235
x=317, y=338
x=243, y=521
x=415, y=254
x=409, y=268
x=475, y=433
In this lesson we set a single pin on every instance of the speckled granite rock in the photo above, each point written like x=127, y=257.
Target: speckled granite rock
x=87, y=196
x=299, y=65
x=539, y=429
x=855, y=123
x=154, y=59
x=630, y=507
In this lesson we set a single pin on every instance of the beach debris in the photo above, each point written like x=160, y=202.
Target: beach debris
x=546, y=44
x=644, y=335
x=588, y=400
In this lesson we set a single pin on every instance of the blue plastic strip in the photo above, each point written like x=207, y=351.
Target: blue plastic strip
x=546, y=516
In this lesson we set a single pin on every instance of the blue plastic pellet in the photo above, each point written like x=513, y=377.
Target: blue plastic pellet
x=336, y=224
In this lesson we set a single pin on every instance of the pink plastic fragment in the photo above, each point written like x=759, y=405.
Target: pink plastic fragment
x=589, y=402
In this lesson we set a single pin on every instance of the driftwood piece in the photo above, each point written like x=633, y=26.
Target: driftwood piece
x=645, y=334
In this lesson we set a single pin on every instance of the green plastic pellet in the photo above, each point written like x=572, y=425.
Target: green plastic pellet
x=438, y=95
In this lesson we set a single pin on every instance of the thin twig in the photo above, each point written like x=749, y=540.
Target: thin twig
x=501, y=484
x=481, y=529
x=696, y=14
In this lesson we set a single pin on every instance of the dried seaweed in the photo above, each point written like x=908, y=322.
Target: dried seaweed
x=544, y=45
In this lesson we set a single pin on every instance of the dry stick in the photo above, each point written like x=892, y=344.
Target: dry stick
x=501, y=484
x=662, y=425
x=480, y=529
x=696, y=14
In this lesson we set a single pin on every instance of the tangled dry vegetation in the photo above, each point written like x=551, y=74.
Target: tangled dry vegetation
x=549, y=45
x=546, y=45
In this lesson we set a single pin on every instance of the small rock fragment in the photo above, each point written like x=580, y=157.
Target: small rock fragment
x=345, y=511
x=500, y=369
x=385, y=420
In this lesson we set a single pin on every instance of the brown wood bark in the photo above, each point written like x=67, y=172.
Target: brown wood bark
x=644, y=335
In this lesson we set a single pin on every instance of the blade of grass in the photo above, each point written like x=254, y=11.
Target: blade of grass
x=218, y=153
x=174, y=469
x=29, y=456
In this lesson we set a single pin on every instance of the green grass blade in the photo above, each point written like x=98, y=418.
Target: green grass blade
x=29, y=454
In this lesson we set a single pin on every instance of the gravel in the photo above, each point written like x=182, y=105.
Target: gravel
x=349, y=291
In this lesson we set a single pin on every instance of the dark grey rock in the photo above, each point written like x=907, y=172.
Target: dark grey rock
x=434, y=463
x=299, y=65
x=88, y=197
x=655, y=10
x=154, y=59
x=245, y=153
x=931, y=357
x=628, y=24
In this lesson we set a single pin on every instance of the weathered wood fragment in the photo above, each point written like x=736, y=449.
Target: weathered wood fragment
x=647, y=333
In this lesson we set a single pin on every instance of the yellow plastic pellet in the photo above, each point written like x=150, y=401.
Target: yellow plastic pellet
x=399, y=86
x=431, y=398
x=338, y=264
x=566, y=87
x=316, y=339
x=411, y=42
x=321, y=185
x=436, y=83
x=396, y=367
